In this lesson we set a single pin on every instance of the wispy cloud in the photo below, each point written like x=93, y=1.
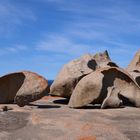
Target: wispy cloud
x=65, y=45
x=15, y=13
x=13, y=49
x=116, y=16
x=12, y=15
x=72, y=28
x=16, y=48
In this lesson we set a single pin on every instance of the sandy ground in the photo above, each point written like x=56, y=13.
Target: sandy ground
x=51, y=119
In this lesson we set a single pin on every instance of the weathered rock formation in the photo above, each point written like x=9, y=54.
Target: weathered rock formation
x=106, y=86
x=135, y=63
x=136, y=76
x=134, y=67
x=75, y=70
x=70, y=75
x=103, y=60
x=112, y=100
x=22, y=87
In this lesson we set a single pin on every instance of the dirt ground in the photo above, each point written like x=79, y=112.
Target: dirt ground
x=51, y=119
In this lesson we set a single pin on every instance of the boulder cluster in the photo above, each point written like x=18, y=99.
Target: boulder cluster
x=95, y=79
x=90, y=79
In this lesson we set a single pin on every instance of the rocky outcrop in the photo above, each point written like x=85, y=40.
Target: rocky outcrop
x=75, y=70
x=22, y=87
x=135, y=63
x=134, y=67
x=103, y=60
x=70, y=75
x=136, y=76
x=94, y=88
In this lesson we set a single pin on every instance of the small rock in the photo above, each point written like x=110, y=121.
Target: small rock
x=6, y=108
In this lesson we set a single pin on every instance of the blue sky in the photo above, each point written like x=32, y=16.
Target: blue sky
x=43, y=35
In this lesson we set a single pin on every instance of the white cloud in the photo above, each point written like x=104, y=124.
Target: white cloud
x=67, y=48
x=110, y=16
x=95, y=26
x=17, y=48
x=13, y=49
x=66, y=45
x=12, y=15
x=9, y=10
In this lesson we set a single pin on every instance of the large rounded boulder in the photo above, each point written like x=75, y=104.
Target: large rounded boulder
x=70, y=75
x=106, y=86
x=22, y=87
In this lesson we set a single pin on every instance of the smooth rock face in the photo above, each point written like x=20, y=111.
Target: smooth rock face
x=9, y=86
x=136, y=76
x=75, y=70
x=22, y=87
x=93, y=88
x=135, y=63
x=33, y=88
x=112, y=99
x=70, y=75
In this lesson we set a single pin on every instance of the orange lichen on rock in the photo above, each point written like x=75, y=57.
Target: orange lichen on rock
x=68, y=125
x=87, y=138
x=35, y=119
x=86, y=127
x=48, y=97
